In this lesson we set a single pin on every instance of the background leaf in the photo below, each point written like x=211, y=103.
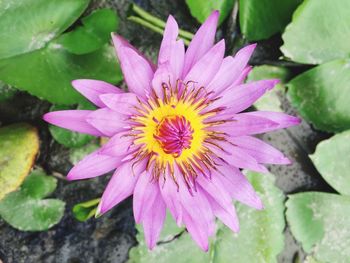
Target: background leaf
x=320, y=221
x=26, y=211
x=322, y=95
x=95, y=32
x=319, y=32
x=66, y=137
x=19, y=144
x=6, y=92
x=85, y=210
x=331, y=159
x=29, y=25
x=260, y=19
x=202, y=9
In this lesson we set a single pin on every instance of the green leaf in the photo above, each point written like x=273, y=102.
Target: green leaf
x=270, y=101
x=321, y=95
x=319, y=32
x=26, y=211
x=320, y=222
x=261, y=237
x=66, y=137
x=94, y=33
x=260, y=19
x=202, y=9
x=77, y=154
x=29, y=25
x=6, y=92
x=331, y=160
x=47, y=73
x=19, y=144
x=86, y=210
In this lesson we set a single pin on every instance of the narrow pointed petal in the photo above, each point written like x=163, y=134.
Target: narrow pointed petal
x=122, y=103
x=239, y=187
x=241, y=97
x=163, y=80
x=231, y=70
x=169, y=38
x=240, y=80
x=177, y=57
x=119, y=145
x=198, y=234
x=153, y=221
x=94, y=164
x=245, y=124
x=260, y=151
x=120, y=186
x=202, y=41
x=145, y=193
x=74, y=120
x=283, y=120
x=92, y=89
x=207, y=67
x=107, y=121
x=241, y=159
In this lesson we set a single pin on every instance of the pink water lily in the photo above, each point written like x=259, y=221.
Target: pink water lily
x=178, y=138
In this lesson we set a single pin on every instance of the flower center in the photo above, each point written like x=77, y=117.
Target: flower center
x=174, y=134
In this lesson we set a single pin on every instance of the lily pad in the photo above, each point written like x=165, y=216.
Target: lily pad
x=319, y=32
x=260, y=19
x=321, y=95
x=66, y=137
x=95, y=32
x=270, y=101
x=260, y=239
x=320, y=222
x=26, y=210
x=19, y=144
x=202, y=9
x=6, y=92
x=33, y=59
x=335, y=170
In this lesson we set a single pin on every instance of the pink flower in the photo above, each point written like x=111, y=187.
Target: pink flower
x=177, y=138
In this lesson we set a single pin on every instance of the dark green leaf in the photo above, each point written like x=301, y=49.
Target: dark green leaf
x=320, y=222
x=24, y=210
x=48, y=72
x=94, y=33
x=331, y=160
x=319, y=32
x=260, y=19
x=86, y=210
x=66, y=137
x=6, y=92
x=29, y=25
x=202, y=9
x=322, y=94
x=19, y=144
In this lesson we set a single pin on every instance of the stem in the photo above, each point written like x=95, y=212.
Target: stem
x=153, y=27
x=158, y=22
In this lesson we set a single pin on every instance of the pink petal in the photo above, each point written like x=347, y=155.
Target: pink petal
x=94, y=164
x=169, y=192
x=137, y=71
x=245, y=124
x=231, y=70
x=121, y=185
x=196, y=231
x=239, y=187
x=119, y=145
x=92, y=89
x=227, y=214
x=153, y=221
x=202, y=41
x=177, y=57
x=207, y=66
x=123, y=103
x=240, y=80
x=145, y=193
x=107, y=121
x=74, y=120
x=260, y=151
x=283, y=120
x=241, y=97
x=163, y=79
x=169, y=38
